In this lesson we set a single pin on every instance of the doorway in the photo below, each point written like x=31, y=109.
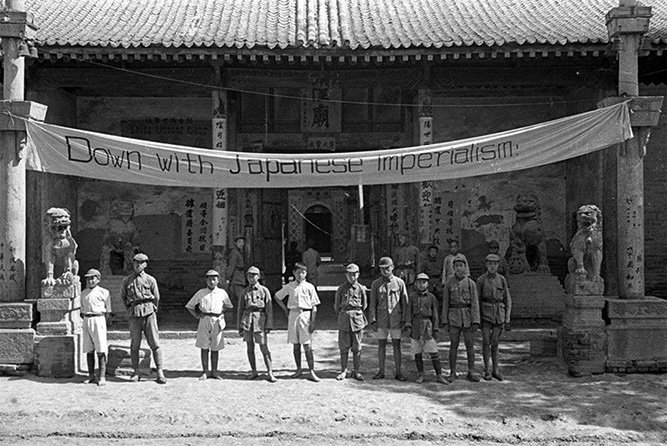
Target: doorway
x=318, y=227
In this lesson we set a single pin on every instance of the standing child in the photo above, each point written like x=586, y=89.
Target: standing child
x=95, y=305
x=388, y=314
x=350, y=303
x=301, y=311
x=448, y=263
x=423, y=317
x=208, y=305
x=495, y=308
x=460, y=314
x=255, y=321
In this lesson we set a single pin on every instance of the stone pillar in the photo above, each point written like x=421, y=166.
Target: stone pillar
x=582, y=339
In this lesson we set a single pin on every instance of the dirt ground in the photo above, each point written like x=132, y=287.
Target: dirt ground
x=536, y=404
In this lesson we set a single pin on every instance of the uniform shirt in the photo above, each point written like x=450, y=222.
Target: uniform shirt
x=210, y=301
x=407, y=256
x=448, y=267
x=311, y=258
x=235, y=268
x=139, y=287
x=460, y=304
x=301, y=295
x=423, y=315
x=350, y=302
x=389, y=301
x=495, y=302
x=255, y=309
x=432, y=266
x=95, y=300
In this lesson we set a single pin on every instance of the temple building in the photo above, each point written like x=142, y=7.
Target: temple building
x=313, y=76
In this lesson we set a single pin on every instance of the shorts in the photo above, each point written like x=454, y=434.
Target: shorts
x=209, y=333
x=418, y=346
x=94, y=335
x=350, y=340
x=258, y=337
x=384, y=333
x=298, y=327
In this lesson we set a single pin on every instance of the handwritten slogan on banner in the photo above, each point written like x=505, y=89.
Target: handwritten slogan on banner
x=81, y=153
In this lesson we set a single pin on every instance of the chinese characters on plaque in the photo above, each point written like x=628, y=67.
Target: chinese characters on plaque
x=321, y=110
x=196, y=227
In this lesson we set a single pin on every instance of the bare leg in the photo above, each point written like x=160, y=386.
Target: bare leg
x=311, y=363
x=215, y=355
x=267, y=360
x=297, y=360
x=102, y=377
x=396, y=344
x=204, y=363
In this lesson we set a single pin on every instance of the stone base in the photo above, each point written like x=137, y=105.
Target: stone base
x=119, y=363
x=637, y=334
x=59, y=316
x=17, y=346
x=582, y=339
x=15, y=369
x=119, y=316
x=16, y=315
x=536, y=296
x=57, y=356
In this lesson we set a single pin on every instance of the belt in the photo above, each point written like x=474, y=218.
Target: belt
x=92, y=314
x=255, y=309
x=459, y=306
x=352, y=308
x=212, y=314
x=301, y=309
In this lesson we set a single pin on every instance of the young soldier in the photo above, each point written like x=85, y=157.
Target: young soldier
x=408, y=259
x=448, y=264
x=388, y=314
x=350, y=303
x=423, y=317
x=431, y=265
x=460, y=314
x=208, y=305
x=495, y=308
x=255, y=321
x=494, y=248
x=95, y=305
x=301, y=311
x=235, y=273
x=141, y=296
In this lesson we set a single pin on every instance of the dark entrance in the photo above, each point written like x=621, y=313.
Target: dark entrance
x=318, y=228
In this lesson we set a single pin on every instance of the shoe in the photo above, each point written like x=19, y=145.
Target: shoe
x=496, y=374
x=487, y=376
x=358, y=376
x=92, y=379
x=271, y=379
x=102, y=382
x=441, y=379
x=216, y=375
x=297, y=374
x=252, y=376
x=400, y=377
x=135, y=377
x=313, y=377
x=341, y=375
x=379, y=375
x=203, y=377
x=472, y=377
x=452, y=377
x=420, y=378
x=160, y=377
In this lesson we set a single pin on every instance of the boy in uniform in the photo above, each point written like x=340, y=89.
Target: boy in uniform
x=208, y=305
x=494, y=248
x=460, y=314
x=350, y=303
x=495, y=308
x=388, y=314
x=255, y=321
x=448, y=263
x=423, y=317
x=95, y=305
x=301, y=311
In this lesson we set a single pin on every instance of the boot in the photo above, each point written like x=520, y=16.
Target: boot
x=472, y=376
x=453, y=353
x=435, y=359
x=134, y=357
x=157, y=357
x=419, y=362
x=102, y=376
x=382, y=353
x=396, y=344
x=356, y=358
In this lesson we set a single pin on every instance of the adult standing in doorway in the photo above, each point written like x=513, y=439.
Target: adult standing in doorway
x=311, y=258
x=235, y=273
x=140, y=294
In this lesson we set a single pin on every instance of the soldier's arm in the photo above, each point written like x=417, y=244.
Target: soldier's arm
x=156, y=292
x=508, y=302
x=364, y=298
x=444, y=315
x=436, y=318
x=336, y=303
x=279, y=296
x=239, y=312
x=123, y=293
x=474, y=303
x=268, y=308
x=372, y=306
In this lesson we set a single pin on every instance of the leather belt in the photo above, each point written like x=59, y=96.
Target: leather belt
x=92, y=314
x=212, y=314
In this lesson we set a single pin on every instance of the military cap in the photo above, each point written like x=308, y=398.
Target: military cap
x=386, y=261
x=459, y=258
x=141, y=257
x=352, y=268
x=492, y=258
x=212, y=272
x=252, y=270
x=422, y=276
x=92, y=272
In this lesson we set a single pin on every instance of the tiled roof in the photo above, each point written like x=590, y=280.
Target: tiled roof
x=329, y=24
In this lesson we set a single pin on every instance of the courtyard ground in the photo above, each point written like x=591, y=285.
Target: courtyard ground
x=538, y=403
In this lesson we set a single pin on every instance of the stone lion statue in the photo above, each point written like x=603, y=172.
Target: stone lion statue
x=586, y=245
x=527, y=230
x=59, y=249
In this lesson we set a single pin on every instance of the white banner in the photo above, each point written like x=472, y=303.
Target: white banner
x=81, y=153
